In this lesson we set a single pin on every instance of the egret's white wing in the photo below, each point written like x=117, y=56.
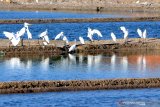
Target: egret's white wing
x=46, y=38
x=65, y=39
x=123, y=29
x=29, y=34
x=43, y=33
x=72, y=48
x=113, y=37
x=45, y=43
x=8, y=35
x=139, y=33
x=95, y=31
x=15, y=41
x=126, y=35
x=21, y=32
x=145, y=34
x=59, y=36
x=81, y=40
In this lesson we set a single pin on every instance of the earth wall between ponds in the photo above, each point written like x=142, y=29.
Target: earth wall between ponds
x=77, y=85
x=78, y=20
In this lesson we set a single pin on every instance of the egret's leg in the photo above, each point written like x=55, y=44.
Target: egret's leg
x=28, y=43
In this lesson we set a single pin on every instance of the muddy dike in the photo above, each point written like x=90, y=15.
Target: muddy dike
x=120, y=46
x=78, y=20
x=76, y=85
x=35, y=47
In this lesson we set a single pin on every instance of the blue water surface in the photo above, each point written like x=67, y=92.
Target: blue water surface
x=107, y=98
x=80, y=67
x=74, y=30
x=52, y=14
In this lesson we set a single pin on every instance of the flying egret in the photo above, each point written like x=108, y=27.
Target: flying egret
x=12, y=37
x=92, y=32
x=65, y=39
x=113, y=37
x=73, y=47
x=81, y=40
x=8, y=35
x=61, y=34
x=125, y=31
x=21, y=32
x=15, y=41
x=96, y=31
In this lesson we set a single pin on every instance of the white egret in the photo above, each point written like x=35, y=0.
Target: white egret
x=12, y=37
x=142, y=34
x=73, y=47
x=81, y=40
x=8, y=35
x=113, y=37
x=44, y=37
x=59, y=36
x=92, y=32
x=26, y=24
x=29, y=35
x=21, y=32
x=65, y=39
x=96, y=31
x=125, y=31
x=43, y=33
x=15, y=41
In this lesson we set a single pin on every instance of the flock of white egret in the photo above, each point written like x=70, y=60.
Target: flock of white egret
x=16, y=37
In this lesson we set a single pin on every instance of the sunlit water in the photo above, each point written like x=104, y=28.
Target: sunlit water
x=74, y=30
x=77, y=67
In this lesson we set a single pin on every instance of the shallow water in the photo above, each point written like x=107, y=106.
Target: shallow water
x=77, y=67
x=107, y=98
x=53, y=14
x=74, y=30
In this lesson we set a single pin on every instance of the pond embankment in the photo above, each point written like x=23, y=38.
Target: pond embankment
x=78, y=20
x=58, y=47
x=76, y=85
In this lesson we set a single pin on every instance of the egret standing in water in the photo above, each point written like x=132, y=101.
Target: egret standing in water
x=125, y=31
x=113, y=37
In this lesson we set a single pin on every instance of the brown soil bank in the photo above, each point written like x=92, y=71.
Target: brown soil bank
x=58, y=47
x=134, y=19
x=96, y=5
x=76, y=85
